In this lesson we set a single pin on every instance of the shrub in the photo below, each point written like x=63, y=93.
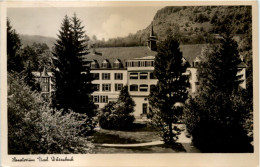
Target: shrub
x=216, y=123
x=118, y=115
x=35, y=128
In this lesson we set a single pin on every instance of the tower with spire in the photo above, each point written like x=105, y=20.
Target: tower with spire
x=151, y=42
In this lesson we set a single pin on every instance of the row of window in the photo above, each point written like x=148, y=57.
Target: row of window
x=106, y=76
x=142, y=75
x=106, y=65
x=45, y=88
x=107, y=87
x=141, y=88
x=100, y=99
x=119, y=76
x=140, y=64
x=44, y=80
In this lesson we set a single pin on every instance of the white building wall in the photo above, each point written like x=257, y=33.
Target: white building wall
x=113, y=94
x=141, y=98
x=193, y=79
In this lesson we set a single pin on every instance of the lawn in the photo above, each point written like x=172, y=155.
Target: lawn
x=139, y=134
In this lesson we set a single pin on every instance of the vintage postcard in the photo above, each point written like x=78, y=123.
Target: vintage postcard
x=145, y=83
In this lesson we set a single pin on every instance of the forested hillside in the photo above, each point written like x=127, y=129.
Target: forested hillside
x=194, y=24
x=30, y=39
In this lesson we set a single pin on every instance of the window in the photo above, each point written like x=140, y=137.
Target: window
x=104, y=99
x=45, y=88
x=94, y=65
x=145, y=108
x=152, y=75
x=106, y=87
x=95, y=76
x=118, y=76
x=95, y=99
x=106, y=76
x=118, y=87
x=117, y=64
x=105, y=65
x=45, y=80
x=134, y=75
x=136, y=64
x=133, y=87
x=143, y=88
x=143, y=75
x=96, y=87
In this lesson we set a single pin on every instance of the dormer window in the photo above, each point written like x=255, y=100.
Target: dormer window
x=105, y=64
x=94, y=64
x=117, y=64
x=196, y=62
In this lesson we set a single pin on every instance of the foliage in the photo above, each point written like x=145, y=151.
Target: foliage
x=34, y=128
x=213, y=20
x=118, y=115
x=72, y=78
x=215, y=116
x=25, y=60
x=171, y=88
x=14, y=58
x=38, y=55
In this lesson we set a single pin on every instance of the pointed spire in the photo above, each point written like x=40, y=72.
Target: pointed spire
x=44, y=72
x=151, y=32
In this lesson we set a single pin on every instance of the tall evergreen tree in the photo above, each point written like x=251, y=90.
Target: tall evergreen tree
x=215, y=116
x=14, y=59
x=172, y=86
x=72, y=78
x=219, y=71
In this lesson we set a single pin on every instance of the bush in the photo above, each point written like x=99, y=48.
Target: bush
x=118, y=115
x=216, y=123
x=35, y=128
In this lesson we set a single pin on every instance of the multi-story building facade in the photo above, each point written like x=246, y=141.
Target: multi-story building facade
x=44, y=79
x=134, y=66
x=113, y=68
x=109, y=80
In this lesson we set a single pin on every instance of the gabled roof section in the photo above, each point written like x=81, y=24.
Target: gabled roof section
x=242, y=65
x=105, y=61
x=190, y=52
x=44, y=73
x=117, y=61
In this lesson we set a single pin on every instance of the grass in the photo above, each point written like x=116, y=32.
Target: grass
x=140, y=133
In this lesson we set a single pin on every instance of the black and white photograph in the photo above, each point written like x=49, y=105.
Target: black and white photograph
x=126, y=80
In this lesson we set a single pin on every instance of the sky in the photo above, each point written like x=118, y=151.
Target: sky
x=104, y=22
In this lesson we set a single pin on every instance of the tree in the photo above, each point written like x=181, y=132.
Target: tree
x=14, y=59
x=35, y=128
x=171, y=88
x=72, y=78
x=118, y=115
x=215, y=116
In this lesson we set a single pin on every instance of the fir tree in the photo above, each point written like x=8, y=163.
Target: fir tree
x=14, y=59
x=219, y=71
x=171, y=88
x=72, y=79
x=216, y=114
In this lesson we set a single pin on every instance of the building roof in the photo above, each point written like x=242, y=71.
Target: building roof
x=242, y=65
x=190, y=52
x=40, y=74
